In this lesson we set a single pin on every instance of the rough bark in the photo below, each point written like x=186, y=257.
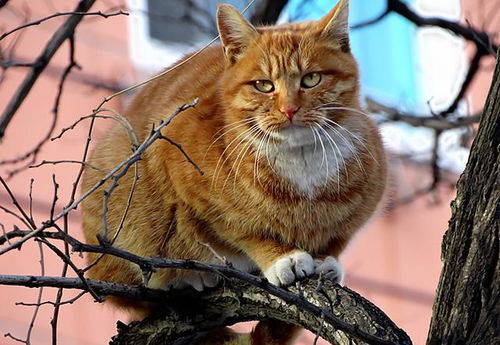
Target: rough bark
x=466, y=310
x=186, y=314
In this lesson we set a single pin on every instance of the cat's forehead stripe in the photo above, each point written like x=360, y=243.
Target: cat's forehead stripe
x=283, y=54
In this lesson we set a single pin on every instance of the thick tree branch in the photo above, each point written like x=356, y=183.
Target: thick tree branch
x=64, y=32
x=466, y=310
x=237, y=301
x=345, y=321
x=187, y=314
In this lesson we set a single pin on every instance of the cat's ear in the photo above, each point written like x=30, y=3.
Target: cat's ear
x=335, y=25
x=236, y=33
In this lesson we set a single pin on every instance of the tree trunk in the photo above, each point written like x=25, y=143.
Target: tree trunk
x=466, y=309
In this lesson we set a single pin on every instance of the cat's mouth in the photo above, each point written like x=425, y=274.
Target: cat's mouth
x=295, y=134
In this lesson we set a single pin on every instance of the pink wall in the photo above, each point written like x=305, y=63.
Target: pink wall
x=394, y=262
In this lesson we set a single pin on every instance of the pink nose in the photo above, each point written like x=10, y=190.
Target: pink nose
x=289, y=110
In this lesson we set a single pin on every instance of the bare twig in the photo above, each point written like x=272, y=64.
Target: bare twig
x=33, y=153
x=115, y=174
x=432, y=122
x=64, y=32
x=16, y=204
x=480, y=39
x=69, y=301
x=39, y=298
x=46, y=162
x=371, y=21
x=59, y=14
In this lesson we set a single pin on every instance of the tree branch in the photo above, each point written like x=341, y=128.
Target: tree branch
x=480, y=38
x=432, y=122
x=186, y=314
x=64, y=32
x=237, y=301
x=58, y=14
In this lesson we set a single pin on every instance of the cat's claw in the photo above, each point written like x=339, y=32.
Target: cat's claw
x=198, y=281
x=329, y=268
x=289, y=268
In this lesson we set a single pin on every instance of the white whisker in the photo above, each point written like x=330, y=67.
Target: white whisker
x=350, y=146
x=219, y=165
x=234, y=125
x=335, y=149
x=343, y=108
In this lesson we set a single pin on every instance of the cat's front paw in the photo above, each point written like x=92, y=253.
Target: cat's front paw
x=289, y=268
x=329, y=268
x=197, y=280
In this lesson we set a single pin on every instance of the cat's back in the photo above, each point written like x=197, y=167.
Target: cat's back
x=195, y=76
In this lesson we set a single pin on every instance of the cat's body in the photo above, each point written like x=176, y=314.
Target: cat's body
x=278, y=193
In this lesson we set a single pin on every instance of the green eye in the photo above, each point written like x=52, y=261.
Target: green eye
x=265, y=86
x=310, y=80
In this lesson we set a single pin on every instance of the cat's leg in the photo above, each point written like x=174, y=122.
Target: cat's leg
x=193, y=239
x=281, y=264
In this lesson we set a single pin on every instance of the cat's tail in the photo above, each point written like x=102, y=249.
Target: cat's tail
x=267, y=332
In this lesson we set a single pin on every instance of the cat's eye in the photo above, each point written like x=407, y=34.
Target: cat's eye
x=264, y=86
x=310, y=80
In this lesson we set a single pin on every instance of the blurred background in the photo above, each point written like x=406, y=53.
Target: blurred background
x=394, y=261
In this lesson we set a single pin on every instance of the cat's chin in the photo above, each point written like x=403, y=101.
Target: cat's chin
x=295, y=135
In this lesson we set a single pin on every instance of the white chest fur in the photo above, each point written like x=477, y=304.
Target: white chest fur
x=310, y=159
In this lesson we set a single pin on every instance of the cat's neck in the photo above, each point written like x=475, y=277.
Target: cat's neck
x=311, y=159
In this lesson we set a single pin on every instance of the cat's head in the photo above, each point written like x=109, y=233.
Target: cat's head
x=288, y=78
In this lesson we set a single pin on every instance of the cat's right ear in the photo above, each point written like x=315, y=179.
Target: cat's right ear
x=236, y=33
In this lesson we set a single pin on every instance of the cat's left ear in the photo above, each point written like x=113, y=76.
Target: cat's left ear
x=236, y=33
x=335, y=25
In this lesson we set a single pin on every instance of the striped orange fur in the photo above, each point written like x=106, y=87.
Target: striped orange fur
x=292, y=166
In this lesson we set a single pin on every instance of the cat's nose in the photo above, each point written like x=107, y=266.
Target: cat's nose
x=289, y=110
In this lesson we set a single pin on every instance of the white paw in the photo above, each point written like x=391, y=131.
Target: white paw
x=197, y=280
x=290, y=267
x=329, y=268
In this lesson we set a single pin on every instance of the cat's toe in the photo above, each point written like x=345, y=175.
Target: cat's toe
x=329, y=268
x=290, y=267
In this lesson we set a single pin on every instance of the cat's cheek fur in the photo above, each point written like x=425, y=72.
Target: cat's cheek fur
x=329, y=268
x=290, y=267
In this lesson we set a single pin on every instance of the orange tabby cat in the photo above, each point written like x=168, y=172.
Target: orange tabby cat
x=292, y=166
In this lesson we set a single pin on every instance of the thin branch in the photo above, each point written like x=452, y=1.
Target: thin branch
x=46, y=162
x=78, y=272
x=69, y=301
x=58, y=14
x=33, y=153
x=39, y=298
x=371, y=21
x=65, y=31
x=119, y=170
x=432, y=122
x=16, y=203
x=471, y=73
x=480, y=39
